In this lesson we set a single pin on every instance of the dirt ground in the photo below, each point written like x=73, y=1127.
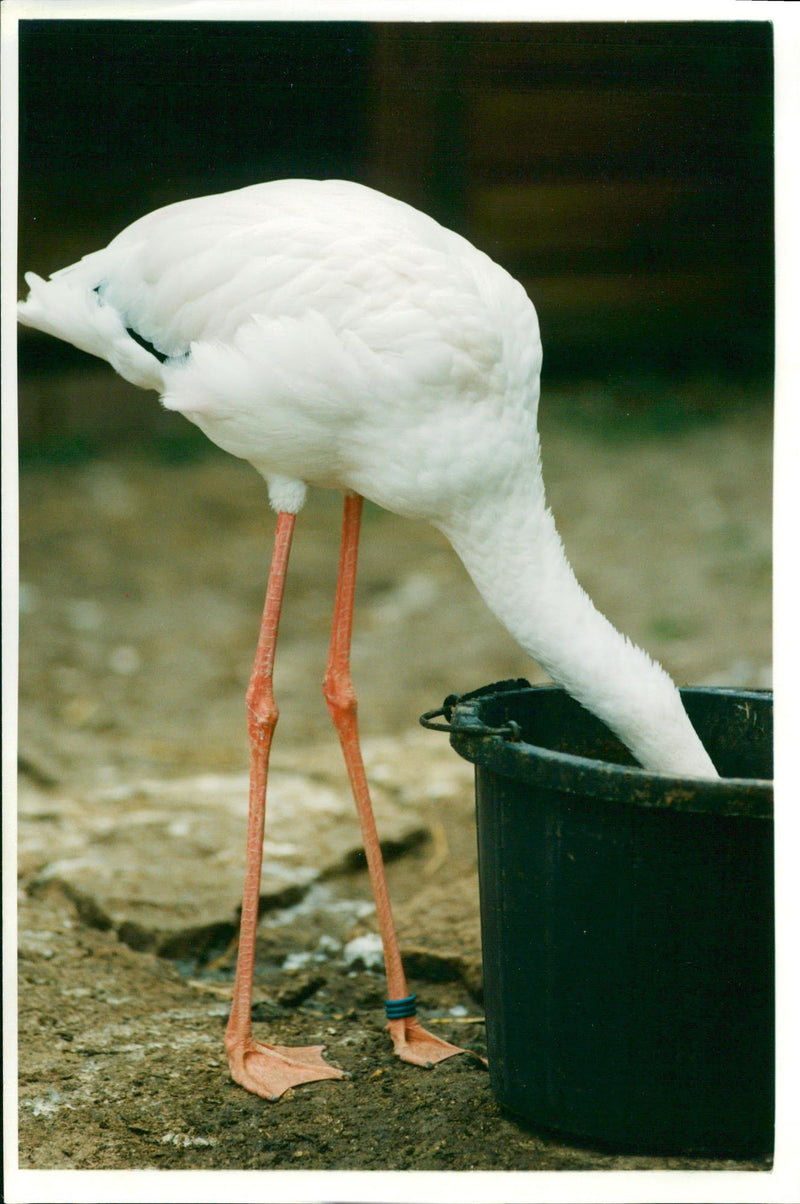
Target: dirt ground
x=141, y=589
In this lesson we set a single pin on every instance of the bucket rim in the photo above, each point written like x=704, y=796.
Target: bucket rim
x=602, y=781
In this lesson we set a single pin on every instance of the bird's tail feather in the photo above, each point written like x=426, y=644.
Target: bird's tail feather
x=78, y=315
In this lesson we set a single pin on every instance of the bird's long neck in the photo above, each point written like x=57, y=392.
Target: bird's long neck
x=513, y=553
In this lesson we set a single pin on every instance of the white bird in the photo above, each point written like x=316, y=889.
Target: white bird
x=339, y=338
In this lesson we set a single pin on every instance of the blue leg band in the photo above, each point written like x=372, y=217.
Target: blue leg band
x=398, y=1009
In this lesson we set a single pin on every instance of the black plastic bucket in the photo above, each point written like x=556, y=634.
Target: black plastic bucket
x=627, y=923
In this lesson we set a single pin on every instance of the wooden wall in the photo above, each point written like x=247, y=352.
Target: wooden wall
x=623, y=172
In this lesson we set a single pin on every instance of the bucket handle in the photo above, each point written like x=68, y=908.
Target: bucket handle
x=509, y=731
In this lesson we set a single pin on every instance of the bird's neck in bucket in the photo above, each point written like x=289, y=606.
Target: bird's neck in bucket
x=519, y=565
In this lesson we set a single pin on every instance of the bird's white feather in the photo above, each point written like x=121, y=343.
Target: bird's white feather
x=336, y=337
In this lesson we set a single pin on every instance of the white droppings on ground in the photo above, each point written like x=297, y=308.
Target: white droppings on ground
x=365, y=951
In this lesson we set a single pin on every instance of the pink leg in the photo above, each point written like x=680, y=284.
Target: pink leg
x=411, y=1042
x=267, y=1070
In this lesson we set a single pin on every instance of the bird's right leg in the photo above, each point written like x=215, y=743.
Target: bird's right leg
x=412, y=1043
x=266, y=1070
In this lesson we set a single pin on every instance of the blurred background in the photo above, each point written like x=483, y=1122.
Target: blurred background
x=622, y=171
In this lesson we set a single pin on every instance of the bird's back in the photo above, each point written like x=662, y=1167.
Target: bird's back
x=323, y=306
x=200, y=269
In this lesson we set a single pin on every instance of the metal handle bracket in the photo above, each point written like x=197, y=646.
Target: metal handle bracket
x=509, y=730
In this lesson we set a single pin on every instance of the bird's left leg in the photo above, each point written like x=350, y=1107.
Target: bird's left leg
x=411, y=1041
x=266, y=1070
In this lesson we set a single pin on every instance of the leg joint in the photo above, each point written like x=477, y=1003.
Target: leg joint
x=262, y=714
x=339, y=695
